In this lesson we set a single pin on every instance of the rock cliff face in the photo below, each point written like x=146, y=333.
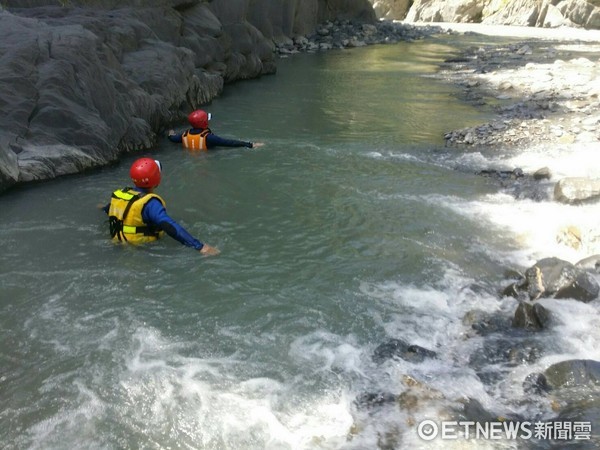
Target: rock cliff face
x=85, y=80
x=535, y=13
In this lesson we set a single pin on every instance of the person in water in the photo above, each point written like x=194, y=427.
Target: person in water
x=138, y=215
x=200, y=137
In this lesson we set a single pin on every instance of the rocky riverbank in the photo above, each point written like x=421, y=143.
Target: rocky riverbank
x=545, y=96
x=544, y=93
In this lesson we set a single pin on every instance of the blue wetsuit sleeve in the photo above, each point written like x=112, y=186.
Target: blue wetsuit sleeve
x=212, y=140
x=154, y=213
x=175, y=137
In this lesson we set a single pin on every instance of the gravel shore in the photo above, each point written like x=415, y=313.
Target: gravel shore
x=545, y=88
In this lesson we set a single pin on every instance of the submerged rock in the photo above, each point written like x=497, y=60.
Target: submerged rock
x=486, y=323
x=400, y=349
x=473, y=411
x=575, y=386
x=536, y=383
x=506, y=351
x=573, y=373
x=370, y=400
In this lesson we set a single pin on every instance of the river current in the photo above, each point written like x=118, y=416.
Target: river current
x=351, y=226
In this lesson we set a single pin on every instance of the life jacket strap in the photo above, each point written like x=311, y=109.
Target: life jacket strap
x=115, y=225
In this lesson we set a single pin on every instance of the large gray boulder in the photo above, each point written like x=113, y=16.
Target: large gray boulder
x=62, y=104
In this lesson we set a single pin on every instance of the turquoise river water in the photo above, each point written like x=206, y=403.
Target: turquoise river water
x=351, y=226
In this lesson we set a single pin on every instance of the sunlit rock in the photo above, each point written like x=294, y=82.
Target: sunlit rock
x=555, y=278
x=577, y=190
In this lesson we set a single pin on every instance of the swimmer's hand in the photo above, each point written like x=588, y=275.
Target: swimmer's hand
x=209, y=250
x=257, y=144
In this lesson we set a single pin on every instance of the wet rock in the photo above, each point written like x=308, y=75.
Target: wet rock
x=397, y=348
x=585, y=409
x=417, y=395
x=528, y=189
x=503, y=174
x=473, y=411
x=514, y=274
x=536, y=383
x=505, y=351
x=515, y=290
x=484, y=323
x=517, y=183
x=531, y=316
x=575, y=372
x=575, y=389
x=542, y=174
x=543, y=315
x=579, y=286
x=591, y=263
x=416, y=353
x=372, y=400
x=413, y=401
x=553, y=277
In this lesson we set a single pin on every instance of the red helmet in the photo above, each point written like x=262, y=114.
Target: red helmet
x=145, y=172
x=199, y=119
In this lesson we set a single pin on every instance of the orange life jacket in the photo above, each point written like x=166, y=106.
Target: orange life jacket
x=195, y=141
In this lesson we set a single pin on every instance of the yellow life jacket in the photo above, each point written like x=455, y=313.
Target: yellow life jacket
x=195, y=141
x=125, y=217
